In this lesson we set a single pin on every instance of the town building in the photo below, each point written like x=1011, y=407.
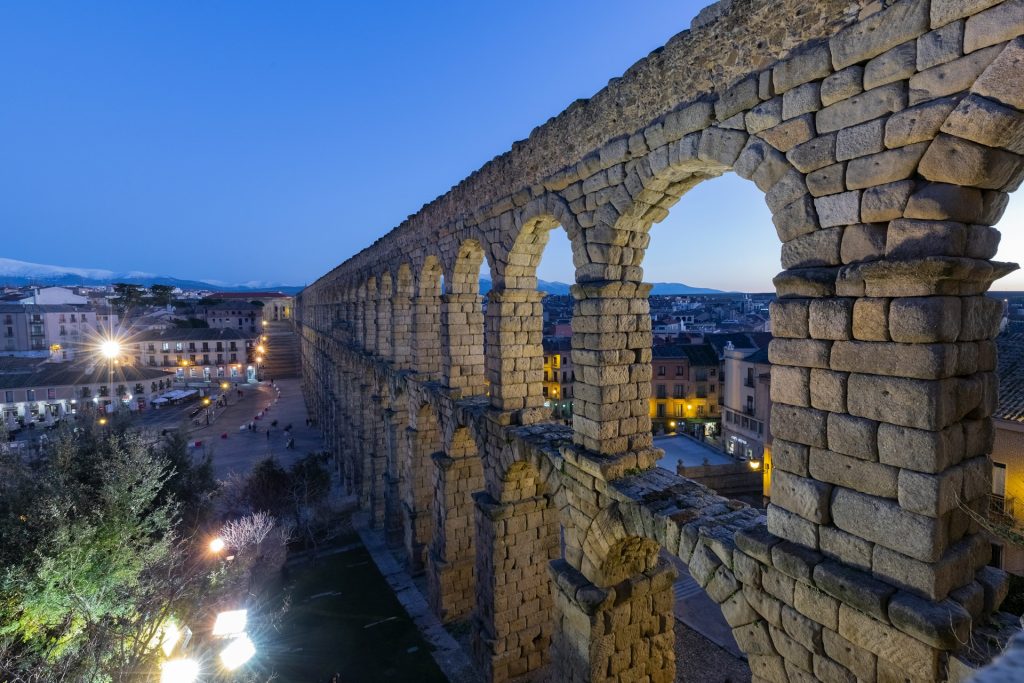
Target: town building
x=685, y=389
x=35, y=393
x=244, y=316
x=1006, y=504
x=276, y=305
x=54, y=295
x=558, y=376
x=57, y=330
x=746, y=432
x=198, y=355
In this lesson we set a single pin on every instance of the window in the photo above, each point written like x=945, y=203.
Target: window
x=997, y=556
x=661, y=391
x=700, y=410
x=30, y=395
x=8, y=397
x=661, y=371
x=679, y=410
x=661, y=410
x=679, y=371
x=51, y=394
x=678, y=391
x=999, y=479
x=750, y=405
x=750, y=377
x=179, y=346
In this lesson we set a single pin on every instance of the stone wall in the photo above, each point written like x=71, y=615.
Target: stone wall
x=886, y=137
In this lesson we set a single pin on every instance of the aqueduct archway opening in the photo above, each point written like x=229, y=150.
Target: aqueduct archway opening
x=885, y=138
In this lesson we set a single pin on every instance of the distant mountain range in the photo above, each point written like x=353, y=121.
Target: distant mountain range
x=660, y=288
x=19, y=273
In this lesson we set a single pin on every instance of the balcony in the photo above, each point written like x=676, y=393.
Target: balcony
x=1001, y=509
x=748, y=410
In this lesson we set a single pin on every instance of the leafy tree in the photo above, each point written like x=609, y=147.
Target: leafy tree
x=128, y=295
x=162, y=295
x=94, y=555
x=267, y=487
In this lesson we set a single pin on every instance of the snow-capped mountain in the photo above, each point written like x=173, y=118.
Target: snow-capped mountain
x=18, y=273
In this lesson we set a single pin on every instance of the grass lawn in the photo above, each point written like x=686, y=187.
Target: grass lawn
x=345, y=619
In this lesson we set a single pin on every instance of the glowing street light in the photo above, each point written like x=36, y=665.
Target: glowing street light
x=261, y=348
x=110, y=348
x=179, y=671
x=237, y=653
x=223, y=385
x=755, y=465
x=231, y=623
x=217, y=545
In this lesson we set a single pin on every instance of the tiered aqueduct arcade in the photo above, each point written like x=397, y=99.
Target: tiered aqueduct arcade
x=885, y=137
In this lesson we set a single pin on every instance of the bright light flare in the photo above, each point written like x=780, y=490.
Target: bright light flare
x=170, y=638
x=237, y=653
x=261, y=348
x=179, y=671
x=755, y=465
x=231, y=623
x=217, y=545
x=110, y=348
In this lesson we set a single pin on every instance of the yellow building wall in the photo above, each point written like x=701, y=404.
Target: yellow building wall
x=1009, y=449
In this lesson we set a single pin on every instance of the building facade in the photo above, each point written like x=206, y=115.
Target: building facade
x=558, y=376
x=198, y=355
x=1006, y=504
x=243, y=316
x=746, y=431
x=685, y=389
x=58, y=329
x=37, y=394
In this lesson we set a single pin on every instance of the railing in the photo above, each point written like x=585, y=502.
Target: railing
x=748, y=410
x=1001, y=509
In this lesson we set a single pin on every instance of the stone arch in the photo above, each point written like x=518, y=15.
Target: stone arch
x=515, y=343
x=402, y=317
x=427, y=335
x=451, y=575
x=516, y=537
x=462, y=322
x=423, y=438
x=396, y=422
x=384, y=312
x=370, y=302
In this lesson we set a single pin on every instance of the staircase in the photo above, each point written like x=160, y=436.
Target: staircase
x=282, y=357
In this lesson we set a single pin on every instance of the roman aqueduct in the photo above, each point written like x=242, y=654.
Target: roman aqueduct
x=885, y=137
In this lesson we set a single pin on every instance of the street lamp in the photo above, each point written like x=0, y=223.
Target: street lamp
x=179, y=671
x=237, y=653
x=217, y=545
x=110, y=348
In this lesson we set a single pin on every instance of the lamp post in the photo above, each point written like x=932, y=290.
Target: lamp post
x=110, y=348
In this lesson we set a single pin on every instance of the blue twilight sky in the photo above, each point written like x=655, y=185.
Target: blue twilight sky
x=269, y=141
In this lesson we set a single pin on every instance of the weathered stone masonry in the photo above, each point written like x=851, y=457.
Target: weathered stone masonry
x=886, y=137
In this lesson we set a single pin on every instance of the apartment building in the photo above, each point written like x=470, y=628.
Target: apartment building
x=558, y=376
x=57, y=330
x=746, y=413
x=685, y=389
x=197, y=355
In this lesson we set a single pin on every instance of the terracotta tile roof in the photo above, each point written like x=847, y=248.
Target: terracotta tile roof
x=1010, y=369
